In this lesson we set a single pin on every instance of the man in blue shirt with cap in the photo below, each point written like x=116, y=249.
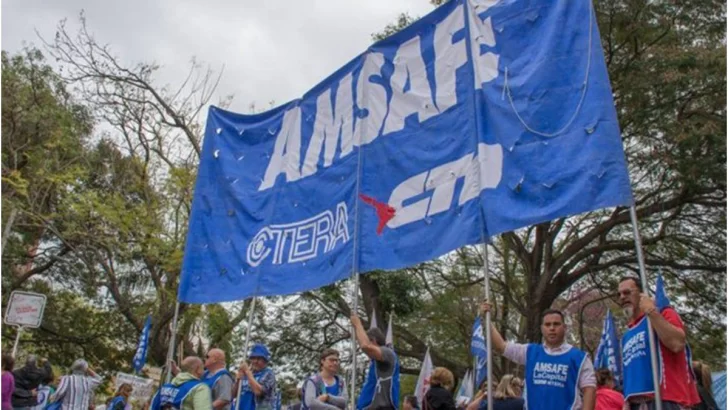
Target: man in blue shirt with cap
x=258, y=390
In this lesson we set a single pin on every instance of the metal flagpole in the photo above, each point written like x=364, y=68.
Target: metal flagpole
x=355, y=308
x=170, y=351
x=650, y=333
x=246, y=344
x=489, y=355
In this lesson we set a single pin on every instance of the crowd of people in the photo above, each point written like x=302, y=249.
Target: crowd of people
x=557, y=375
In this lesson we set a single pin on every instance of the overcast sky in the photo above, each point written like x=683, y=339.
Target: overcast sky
x=272, y=50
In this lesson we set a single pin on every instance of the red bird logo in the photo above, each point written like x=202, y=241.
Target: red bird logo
x=384, y=212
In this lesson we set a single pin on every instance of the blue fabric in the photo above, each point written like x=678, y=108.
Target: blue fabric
x=368, y=390
x=637, y=368
x=366, y=395
x=115, y=401
x=478, y=349
x=57, y=405
x=661, y=299
x=140, y=357
x=321, y=387
x=552, y=380
x=173, y=395
x=609, y=352
x=418, y=146
x=247, y=397
x=719, y=384
x=211, y=380
x=259, y=350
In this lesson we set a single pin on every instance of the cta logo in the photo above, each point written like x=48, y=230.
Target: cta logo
x=478, y=171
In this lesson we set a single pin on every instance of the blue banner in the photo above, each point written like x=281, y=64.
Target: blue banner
x=479, y=350
x=141, y=353
x=609, y=352
x=477, y=119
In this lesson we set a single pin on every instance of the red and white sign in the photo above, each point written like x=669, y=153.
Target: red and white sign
x=25, y=309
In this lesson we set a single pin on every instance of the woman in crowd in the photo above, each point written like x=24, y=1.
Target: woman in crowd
x=120, y=400
x=8, y=381
x=440, y=396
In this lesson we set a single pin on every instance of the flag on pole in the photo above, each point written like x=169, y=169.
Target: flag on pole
x=373, y=323
x=389, y=339
x=423, y=381
x=609, y=353
x=661, y=299
x=141, y=353
x=479, y=350
x=465, y=392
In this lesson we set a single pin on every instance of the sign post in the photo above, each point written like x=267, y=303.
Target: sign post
x=25, y=310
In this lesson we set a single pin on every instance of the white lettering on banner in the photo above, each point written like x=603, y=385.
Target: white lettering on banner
x=409, y=68
x=304, y=240
x=550, y=374
x=330, y=127
x=441, y=182
x=334, y=127
x=635, y=347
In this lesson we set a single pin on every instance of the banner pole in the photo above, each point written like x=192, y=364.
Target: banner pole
x=246, y=345
x=650, y=334
x=170, y=350
x=17, y=341
x=489, y=355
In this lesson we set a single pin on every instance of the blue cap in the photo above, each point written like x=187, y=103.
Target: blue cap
x=259, y=350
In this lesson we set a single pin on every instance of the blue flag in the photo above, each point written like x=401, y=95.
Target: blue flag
x=141, y=353
x=478, y=119
x=609, y=352
x=479, y=351
x=661, y=299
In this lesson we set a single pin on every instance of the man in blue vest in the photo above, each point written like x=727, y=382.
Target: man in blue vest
x=325, y=390
x=219, y=379
x=186, y=391
x=381, y=388
x=558, y=375
x=677, y=383
x=258, y=390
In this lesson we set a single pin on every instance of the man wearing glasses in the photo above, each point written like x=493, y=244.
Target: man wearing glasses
x=677, y=384
x=219, y=379
x=258, y=390
x=325, y=390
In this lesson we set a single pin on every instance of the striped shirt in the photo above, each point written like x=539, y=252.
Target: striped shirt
x=76, y=391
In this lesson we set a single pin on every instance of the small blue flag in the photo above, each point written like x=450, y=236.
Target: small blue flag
x=609, y=352
x=661, y=300
x=479, y=350
x=141, y=354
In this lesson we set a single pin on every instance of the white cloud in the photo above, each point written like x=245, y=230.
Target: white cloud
x=272, y=50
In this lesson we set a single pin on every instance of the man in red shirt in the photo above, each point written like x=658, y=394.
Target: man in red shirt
x=677, y=384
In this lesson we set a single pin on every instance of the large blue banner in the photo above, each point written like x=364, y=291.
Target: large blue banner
x=480, y=118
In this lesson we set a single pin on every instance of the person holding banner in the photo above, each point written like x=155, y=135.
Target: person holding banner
x=219, y=379
x=186, y=391
x=381, y=387
x=258, y=391
x=677, y=385
x=558, y=375
x=325, y=390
